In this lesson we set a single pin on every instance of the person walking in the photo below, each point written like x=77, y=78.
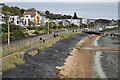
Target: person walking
x=43, y=40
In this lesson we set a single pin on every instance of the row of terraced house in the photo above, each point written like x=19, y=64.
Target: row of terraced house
x=35, y=19
x=27, y=19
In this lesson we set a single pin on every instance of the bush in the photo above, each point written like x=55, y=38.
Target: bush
x=12, y=28
x=36, y=32
x=17, y=34
x=4, y=37
x=35, y=28
x=74, y=26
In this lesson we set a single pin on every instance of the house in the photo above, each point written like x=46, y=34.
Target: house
x=27, y=20
x=76, y=22
x=113, y=22
x=43, y=19
x=91, y=20
x=84, y=21
x=21, y=21
x=66, y=22
x=1, y=19
x=35, y=17
x=14, y=20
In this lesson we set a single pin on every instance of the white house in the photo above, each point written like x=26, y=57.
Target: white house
x=91, y=20
x=27, y=19
x=66, y=22
x=15, y=20
x=43, y=19
x=84, y=21
x=113, y=22
x=1, y=19
x=76, y=21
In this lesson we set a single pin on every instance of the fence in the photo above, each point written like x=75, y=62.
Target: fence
x=21, y=44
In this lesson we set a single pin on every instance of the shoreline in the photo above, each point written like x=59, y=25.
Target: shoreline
x=97, y=61
x=79, y=64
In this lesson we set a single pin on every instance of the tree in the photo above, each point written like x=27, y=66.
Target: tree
x=102, y=22
x=6, y=10
x=15, y=10
x=75, y=16
x=10, y=11
x=22, y=11
x=32, y=10
x=47, y=12
x=66, y=17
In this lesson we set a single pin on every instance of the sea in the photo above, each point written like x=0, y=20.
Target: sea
x=107, y=61
x=92, y=10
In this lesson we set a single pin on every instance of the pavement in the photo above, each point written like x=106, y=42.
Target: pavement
x=45, y=36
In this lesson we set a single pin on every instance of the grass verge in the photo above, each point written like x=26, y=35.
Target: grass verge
x=51, y=42
x=18, y=59
x=15, y=60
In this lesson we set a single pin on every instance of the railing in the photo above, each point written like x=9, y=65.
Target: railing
x=21, y=44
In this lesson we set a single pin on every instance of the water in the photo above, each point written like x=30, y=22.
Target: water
x=98, y=66
x=84, y=9
x=109, y=59
x=108, y=41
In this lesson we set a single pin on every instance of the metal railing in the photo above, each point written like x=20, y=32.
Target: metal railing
x=18, y=45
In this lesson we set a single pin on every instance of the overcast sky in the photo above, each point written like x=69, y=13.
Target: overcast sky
x=59, y=0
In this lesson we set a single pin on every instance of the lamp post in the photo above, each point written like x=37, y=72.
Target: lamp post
x=8, y=22
x=52, y=27
x=8, y=32
x=48, y=28
x=57, y=25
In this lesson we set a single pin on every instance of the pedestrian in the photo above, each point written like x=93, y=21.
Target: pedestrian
x=40, y=38
x=57, y=34
x=54, y=35
x=43, y=40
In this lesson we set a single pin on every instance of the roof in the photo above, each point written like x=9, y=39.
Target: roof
x=30, y=13
x=20, y=16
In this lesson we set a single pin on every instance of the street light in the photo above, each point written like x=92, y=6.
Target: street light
x=48, y=27
x=57, y=25
x=7, y=18
x=8, y=32
x=52, y=27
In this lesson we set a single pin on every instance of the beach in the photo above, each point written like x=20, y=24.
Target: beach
x=78, y=56
x=84, y=62
x=79, y=64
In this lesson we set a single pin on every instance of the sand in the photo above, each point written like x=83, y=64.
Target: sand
x=80, y=63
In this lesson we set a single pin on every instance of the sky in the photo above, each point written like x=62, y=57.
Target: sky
x=59, y=0
x=102, y=12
